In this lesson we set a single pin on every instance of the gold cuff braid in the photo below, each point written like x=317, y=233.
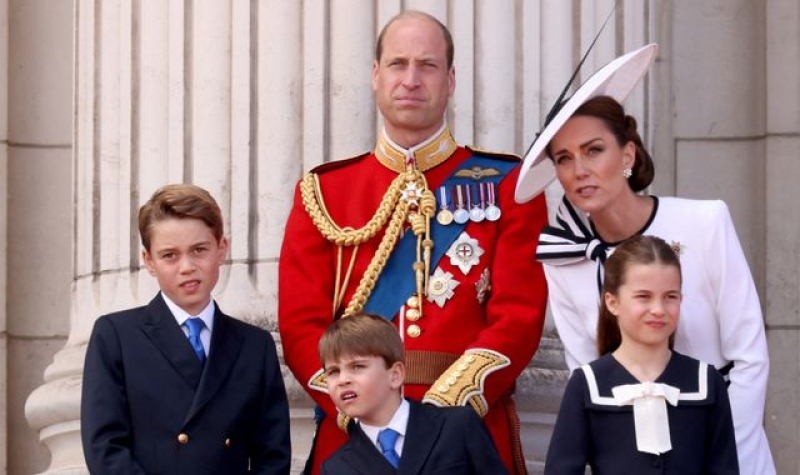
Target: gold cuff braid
x=463, y=381
x=318, y=382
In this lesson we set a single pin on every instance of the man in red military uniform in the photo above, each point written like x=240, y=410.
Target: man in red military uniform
x=424, y=232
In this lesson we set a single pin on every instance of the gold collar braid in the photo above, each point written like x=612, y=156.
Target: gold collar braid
x=407, y=199
x=425, y=156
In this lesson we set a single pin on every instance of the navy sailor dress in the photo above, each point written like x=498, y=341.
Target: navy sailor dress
x=594, y=429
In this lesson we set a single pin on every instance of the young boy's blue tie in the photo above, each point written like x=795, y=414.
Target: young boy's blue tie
x=195, y=325
x=386, y=439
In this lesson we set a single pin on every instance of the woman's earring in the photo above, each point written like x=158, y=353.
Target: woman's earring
x=627, y=173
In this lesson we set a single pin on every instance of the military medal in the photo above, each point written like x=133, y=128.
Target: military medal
x=476, y=213
x=441, y=287
x=444, y=216
x=492, y=211
x=461, y=215
x=464, y=253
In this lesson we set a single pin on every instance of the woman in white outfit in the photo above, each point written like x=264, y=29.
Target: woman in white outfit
x=596, y=153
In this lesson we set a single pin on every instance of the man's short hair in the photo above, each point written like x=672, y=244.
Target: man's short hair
x=448, y=38
x=179, y=201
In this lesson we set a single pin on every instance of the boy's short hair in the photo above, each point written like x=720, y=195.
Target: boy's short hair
x=179, y=201
x=361, y=335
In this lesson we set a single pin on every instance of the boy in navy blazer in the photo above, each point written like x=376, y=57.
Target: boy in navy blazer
x=364, y=363
x=177, y=386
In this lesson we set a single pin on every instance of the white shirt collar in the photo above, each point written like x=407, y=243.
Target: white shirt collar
x=181, y=315
x=399, y=423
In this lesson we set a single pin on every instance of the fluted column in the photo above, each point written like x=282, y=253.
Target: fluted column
x=167, y=92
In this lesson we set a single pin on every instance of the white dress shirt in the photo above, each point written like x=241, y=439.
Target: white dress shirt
x=207, y=315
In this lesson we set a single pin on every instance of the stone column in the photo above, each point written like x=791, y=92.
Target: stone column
x=3, y=220
x=782, y=300
x=38, y=211
x=169, y=92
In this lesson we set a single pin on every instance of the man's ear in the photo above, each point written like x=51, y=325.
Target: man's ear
x=375, y=67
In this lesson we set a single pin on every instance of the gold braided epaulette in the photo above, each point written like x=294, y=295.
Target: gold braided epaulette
x=507, y=156
x=463, y=381
x=315, y=207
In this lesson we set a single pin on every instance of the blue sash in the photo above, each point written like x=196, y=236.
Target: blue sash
x=397, y=282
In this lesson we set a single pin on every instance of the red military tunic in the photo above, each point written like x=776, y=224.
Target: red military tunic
x=496, y=309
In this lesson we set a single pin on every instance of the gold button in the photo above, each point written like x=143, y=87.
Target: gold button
x=443, y=388
x=452, y=380
x=471, y=358
x=414, y=331
x=183, y=439
x=457, y=373
x=227, y=443
x=412, y=302
x=412, y=314
x=463, y=366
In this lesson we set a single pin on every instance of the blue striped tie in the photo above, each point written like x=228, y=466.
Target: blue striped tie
x=386, y=439
x=195, y=325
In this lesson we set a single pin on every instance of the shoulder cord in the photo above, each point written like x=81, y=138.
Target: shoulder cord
x=407, y=198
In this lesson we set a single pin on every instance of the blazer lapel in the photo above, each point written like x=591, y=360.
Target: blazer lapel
x=163, y=330
x=424, y=427
x=226, y=344
x=362, y=455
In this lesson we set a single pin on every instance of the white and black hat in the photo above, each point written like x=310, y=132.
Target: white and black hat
x=616, y=79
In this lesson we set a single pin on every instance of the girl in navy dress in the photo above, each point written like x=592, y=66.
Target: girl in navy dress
x=641, y=407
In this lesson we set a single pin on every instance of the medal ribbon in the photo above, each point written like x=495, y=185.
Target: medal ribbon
x=397, y=282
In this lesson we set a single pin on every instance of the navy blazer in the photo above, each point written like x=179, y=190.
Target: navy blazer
x=439, y=441
x=150, y=407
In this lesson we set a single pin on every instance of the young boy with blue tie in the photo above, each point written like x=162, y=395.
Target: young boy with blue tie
x=363, y=358
x=177, y=386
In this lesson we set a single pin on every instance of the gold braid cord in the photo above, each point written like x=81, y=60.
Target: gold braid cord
x=408, y=198
x=463, y=381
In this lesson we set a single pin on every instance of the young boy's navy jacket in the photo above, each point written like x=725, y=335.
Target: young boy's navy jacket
x=451, y=440
x=149, y=405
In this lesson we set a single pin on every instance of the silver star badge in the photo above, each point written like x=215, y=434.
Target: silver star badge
x=441, y=287
x=412, y=194
x=465, y=253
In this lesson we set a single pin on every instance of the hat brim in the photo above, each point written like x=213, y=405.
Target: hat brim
x=616, y=79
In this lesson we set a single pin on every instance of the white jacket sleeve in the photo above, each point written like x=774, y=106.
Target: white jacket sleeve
x=580, y=345
x=743, y=341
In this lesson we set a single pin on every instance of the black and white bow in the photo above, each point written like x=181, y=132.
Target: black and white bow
x=571, y=240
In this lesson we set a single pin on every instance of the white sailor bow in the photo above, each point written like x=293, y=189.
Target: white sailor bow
x=649, y=413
